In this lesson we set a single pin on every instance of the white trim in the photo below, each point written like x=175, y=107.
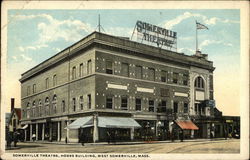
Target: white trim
x=148, y=90
x=117, y=86
x=180, y=94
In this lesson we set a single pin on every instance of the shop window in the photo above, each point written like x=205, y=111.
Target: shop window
x=151, y=74
x=81, y=70
x=74, y=104
x=175, y=107
x=89, y=101
x=109, y=67
x=109, y=102
x=138, y=104
x=54, y=80
x=151, y=107
x=73, y=73
x=89, y=67
x=185, y=79
x=124, y=103
x=185, y=107
x=163, y=76
x=81, y=102
x=175, y=77
x=125, y=70
x=199, y=83
x=138, y=72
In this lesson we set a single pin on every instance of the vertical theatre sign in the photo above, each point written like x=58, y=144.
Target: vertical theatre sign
x=155, y=36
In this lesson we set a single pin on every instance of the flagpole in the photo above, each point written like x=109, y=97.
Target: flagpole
x=196, y=38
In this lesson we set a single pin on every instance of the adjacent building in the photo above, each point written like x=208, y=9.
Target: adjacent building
x=105, y=84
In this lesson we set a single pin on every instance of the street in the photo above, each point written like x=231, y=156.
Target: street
x=197, y=146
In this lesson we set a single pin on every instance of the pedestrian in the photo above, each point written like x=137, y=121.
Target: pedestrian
x=66, y=140
x=82, y=139
x=33, y=137
x=15, y=138
x=108, y=136
x=181, y=135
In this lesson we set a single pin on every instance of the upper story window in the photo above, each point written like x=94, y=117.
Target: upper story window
x=163, y=76
x=74, y=104
x=34, y=88
x=125, y=69
x=138, y=104
x=175, y=107
x=89, y=67
x=73, y=73
x=211, y=82
x=81, y=70
x=175, y=77
x=151, y=106
x=54, y=80
x=28, y=90
x=185, y=107
x=46, y=83
x=63, y=106
x=109, y=102
x=40, y=107
x=185, y=79
x=151, y=74
x=138, y=72
x=54, y=102
x=89, y=101
x=199, y=82
x=124, y=103
x=81, y=102
x=109, y=67
x=46, y=105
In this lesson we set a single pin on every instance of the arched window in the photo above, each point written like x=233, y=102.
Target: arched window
x=33, y=109
x=27, y=110
x=39, y=112
x=46, y=105
x=54, y=103
x=63, y=106
x=199, y=82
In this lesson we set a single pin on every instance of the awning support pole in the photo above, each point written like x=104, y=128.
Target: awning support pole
x=95, y=132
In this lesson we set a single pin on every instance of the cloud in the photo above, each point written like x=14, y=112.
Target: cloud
x=208, y=42
x=119, y=31
x=186, y=38
x=186, y=50
x=21, y=49
x=56, y=49
x=204, y=19
x=34, y=47
x=14, y=57
x=26, y=57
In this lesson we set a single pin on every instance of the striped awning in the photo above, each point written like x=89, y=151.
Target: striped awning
x=186, y=124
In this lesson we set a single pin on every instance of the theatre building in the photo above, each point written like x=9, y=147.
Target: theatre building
x=106, y=84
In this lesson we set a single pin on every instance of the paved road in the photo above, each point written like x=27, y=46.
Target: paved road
x=216, y=146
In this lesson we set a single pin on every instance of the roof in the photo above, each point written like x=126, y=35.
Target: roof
x=186, y=124
x=7, y=118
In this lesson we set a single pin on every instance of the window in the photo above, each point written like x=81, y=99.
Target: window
x=151, y=74
x=124, y=103
x=89, y=67
x=151, y=107
x=185, y=107
x=199, y=83
x=81, y=70
x=185, y=79
x=73, y=73
x=40, y=108
x=211, y=86
x=33, y=109
x=138, y=104
x=89, y=101
x=54, y=80
x=162, y=106
x=54, y=104
x=28, y=107
x=34, y=88
x=211, y=95
x=175, y=78
x=163, y=76
x=125, y=70
x=109, y=102
x=46, y=106
x=63, y=106
x=81, y=102
x=164, y=92
x=47, y=83
x=109, y=67
x=175, y=107
x=138, y=72
x=196, y=108
x=74, y=104
x=28, y=90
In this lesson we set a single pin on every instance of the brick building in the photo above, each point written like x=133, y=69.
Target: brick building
x=106, y=83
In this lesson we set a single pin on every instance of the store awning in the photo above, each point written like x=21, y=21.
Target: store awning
x=117, y=122
x=24, y=127
x=82, y=122
x=186, y=124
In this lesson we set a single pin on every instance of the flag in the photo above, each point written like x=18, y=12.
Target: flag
x=200, y=26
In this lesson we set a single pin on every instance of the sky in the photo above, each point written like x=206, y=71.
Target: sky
x=35, y=35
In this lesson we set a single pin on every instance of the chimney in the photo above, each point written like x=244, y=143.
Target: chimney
x=12, y=104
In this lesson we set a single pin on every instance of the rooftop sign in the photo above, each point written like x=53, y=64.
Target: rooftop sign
x=155, y=35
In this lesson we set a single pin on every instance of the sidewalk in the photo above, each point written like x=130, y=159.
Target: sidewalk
x=129, y=143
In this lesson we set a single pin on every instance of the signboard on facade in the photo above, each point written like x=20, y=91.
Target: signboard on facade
x=155, y=35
